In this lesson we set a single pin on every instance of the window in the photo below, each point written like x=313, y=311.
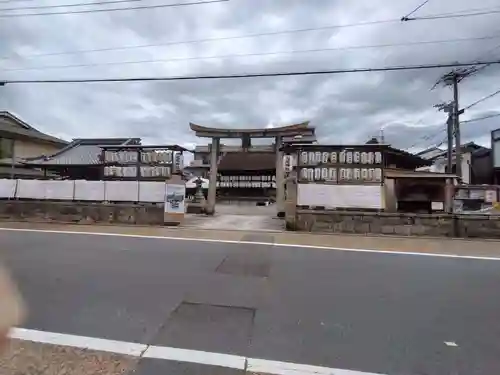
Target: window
x=6, y=148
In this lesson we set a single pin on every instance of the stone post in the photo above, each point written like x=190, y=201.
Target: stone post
x=280, y=179
x=291, y=202
x=212, y=187
x=390, y=198
x=449, y=192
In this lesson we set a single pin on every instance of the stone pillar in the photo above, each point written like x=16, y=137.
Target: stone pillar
x=390, y=198
x=246, y=142
x=449, y=192
x=280, y=179
x=212, y=187
x=291, y=202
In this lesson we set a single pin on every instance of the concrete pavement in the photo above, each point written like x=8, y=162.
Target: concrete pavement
x=363, y=311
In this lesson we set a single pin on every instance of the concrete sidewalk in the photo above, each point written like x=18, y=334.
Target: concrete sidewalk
x=462, y=247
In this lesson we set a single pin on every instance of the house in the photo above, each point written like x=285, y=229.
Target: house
x=20, y=141
x=80, y=159
x=369, y=176
x=112, y=158
x=476, y=163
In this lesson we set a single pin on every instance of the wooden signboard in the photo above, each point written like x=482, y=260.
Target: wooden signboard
x=175, y=200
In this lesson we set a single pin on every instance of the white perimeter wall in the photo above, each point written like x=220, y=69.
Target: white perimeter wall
x=340, y=196
x=82, y=190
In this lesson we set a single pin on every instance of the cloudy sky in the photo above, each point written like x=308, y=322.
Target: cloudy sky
x=345, y=108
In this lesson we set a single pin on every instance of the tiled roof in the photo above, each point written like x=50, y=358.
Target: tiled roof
x=8, y=161
x=77, y=155
x=250, y=161
x=24, y=172
x=82, y=151
x=14, y=125
x=300, y=139
x=466, y=147
x=295, y=127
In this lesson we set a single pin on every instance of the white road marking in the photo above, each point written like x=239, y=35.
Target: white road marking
x=195, y=356
x=451, y=343
x=254, y=365
x=82, y=342
x=263, y=366
x=389, y=252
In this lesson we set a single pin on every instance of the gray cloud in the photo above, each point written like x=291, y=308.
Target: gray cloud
x=345, y=108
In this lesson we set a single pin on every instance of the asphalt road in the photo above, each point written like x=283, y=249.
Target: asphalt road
x=382, y=313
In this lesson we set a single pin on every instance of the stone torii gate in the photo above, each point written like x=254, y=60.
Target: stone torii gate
x=246, y=135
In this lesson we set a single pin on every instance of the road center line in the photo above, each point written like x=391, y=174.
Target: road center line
x=254, y=365
x=388, y=252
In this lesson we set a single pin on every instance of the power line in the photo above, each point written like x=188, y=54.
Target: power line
x=109, y=49
x=12, y=1
x=69, y=5
x=468, y=10
x=271, y=33
x=451, y=15
x=174, y=59
x=440, y=143
x=251, y=75
x=404, y=18
x=481, y=100
x=480, y=118
x=427, y=137
x=485, y=55
x=85, y=11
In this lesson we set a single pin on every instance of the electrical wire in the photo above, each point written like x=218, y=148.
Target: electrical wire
x=450, y=15
x=480, y=118
x=445, y=139
x=249, y=75
x=176, y=59
x=404, y=18
x=13, y=1
x=468, y=10
x=69, y=5
x=427, y=137
x=85, y=11
x=484, y=56
x=429, y=17
x=481, y=100
x=255, y=35
x=109, y=49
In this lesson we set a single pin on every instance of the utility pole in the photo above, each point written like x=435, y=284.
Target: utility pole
x=453, y=124
x=449, y=109
x=449, y=152
x=456, y=127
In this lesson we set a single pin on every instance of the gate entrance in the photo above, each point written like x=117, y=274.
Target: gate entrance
x=239, y=174
x=249, y=217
